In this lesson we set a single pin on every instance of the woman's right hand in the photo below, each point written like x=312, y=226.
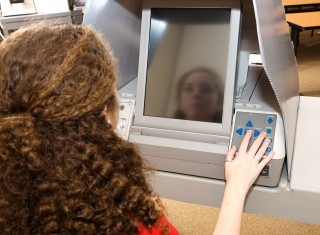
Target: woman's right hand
x=243, y=168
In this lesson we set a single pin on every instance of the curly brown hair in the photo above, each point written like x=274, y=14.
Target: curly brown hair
x=63, y=170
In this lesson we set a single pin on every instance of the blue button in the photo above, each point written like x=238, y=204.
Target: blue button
x=269, y=138
x=239, y=131
x=270, y=120
x=256, y=133
x=245, y=130
x=269, y=131
x=268, y=149
x=249, y=124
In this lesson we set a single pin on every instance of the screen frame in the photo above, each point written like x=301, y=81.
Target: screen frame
x=223, y=128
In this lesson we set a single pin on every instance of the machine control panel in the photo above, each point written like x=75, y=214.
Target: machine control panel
x=125, y=117
x=257, y=122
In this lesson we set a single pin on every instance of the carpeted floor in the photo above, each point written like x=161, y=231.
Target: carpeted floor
x=191, y=219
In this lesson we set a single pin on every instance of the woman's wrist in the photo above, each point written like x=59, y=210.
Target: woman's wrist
x=237, y=188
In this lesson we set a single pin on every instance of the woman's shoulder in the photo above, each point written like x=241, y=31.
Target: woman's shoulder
x=162, y=226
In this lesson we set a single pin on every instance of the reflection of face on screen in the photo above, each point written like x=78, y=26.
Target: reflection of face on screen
x=199, y=96
x=179, y=43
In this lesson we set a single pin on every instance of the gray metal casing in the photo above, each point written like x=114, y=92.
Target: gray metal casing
x=188, y=153
x=118, y=23
x=295, y=200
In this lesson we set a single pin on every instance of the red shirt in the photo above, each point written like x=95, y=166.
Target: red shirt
x=156, y=230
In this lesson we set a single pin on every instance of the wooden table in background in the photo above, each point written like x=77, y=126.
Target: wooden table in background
x=315, y=4
x=300, y=22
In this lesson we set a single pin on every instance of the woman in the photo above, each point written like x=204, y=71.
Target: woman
x=199, y=96
x=63, y=170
